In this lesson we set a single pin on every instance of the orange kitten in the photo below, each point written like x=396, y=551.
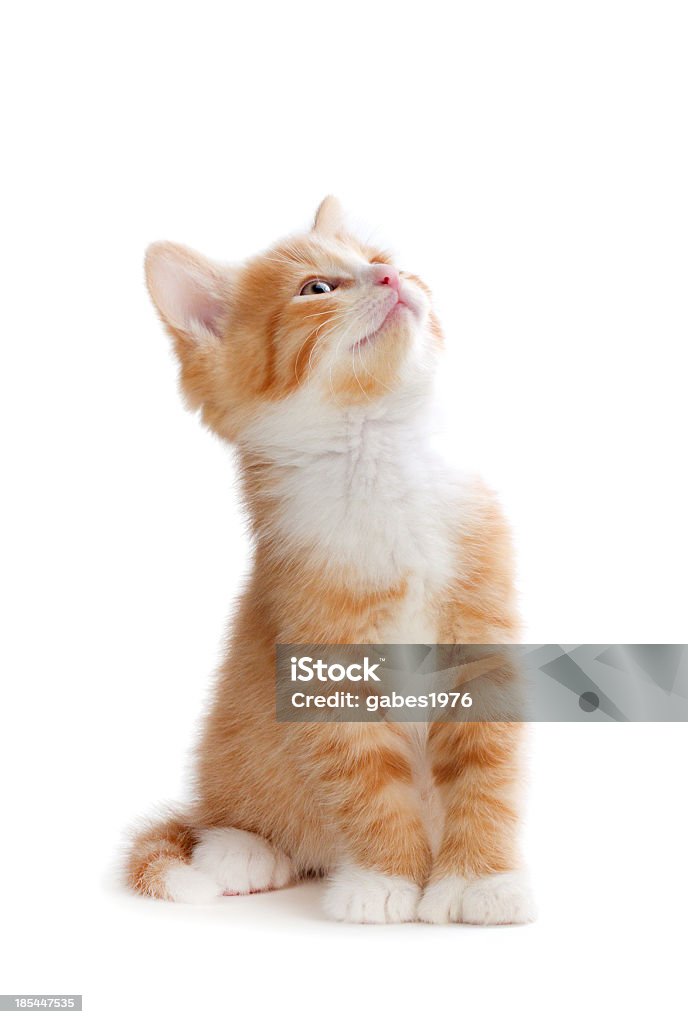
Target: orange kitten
x=316, y=360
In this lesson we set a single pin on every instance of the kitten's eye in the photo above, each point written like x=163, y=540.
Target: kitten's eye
x=317, y=288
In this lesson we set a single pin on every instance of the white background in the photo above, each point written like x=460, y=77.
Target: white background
x=530, y=162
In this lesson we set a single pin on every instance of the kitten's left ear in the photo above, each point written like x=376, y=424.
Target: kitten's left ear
x=330, y=218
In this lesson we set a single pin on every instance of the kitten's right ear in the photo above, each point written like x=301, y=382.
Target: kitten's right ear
x=329, y=217
x=191, y=294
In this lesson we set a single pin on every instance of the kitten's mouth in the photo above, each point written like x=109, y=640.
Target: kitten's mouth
x=397, y=310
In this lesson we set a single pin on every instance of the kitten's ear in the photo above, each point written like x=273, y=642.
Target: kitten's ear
x=329, y=217
x=191, y=294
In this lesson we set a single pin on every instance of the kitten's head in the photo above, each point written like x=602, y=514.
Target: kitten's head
x=320, y=315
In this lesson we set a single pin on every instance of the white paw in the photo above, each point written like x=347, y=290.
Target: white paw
x=240, y=862
x=499, y=899
x=442, y=902
x=369, y=897
x=495, y=899
x=185, y=884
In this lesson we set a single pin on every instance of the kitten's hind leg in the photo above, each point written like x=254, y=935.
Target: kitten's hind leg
x=240, y=862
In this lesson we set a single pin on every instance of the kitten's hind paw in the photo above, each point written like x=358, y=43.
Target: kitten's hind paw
x=369, y=897
x=241, y=862
x=184, y=884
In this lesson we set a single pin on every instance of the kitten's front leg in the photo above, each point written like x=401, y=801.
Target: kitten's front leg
x=475, y=876
x=365, y=781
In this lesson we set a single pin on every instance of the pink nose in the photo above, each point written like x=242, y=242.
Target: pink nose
x=387, y=275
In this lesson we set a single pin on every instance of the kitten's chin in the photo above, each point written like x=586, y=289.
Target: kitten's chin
x=394, y=318
x=393, y=361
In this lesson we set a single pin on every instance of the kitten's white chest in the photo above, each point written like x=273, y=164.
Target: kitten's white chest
x=385, y=510
x=368, y=497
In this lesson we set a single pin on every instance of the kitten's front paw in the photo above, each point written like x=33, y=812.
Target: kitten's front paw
x=499, y=899
x=442, y=901
x=369, y=897
x=496, y=899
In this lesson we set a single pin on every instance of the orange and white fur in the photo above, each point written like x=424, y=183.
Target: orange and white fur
x=316, y=361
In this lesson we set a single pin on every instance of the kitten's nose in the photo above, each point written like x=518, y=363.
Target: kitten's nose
x=385, y=274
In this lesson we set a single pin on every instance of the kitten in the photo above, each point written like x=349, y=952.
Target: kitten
x=316, y=360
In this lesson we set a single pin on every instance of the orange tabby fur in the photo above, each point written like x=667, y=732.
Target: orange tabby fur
x=338, y=797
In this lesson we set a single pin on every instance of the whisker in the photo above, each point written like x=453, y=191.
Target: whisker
x=336, y=354
x=353, y=367
x=372, y=375
x=326, y=323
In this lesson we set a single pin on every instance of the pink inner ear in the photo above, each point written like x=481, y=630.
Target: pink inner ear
x=186, y=293
x=208, y=312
